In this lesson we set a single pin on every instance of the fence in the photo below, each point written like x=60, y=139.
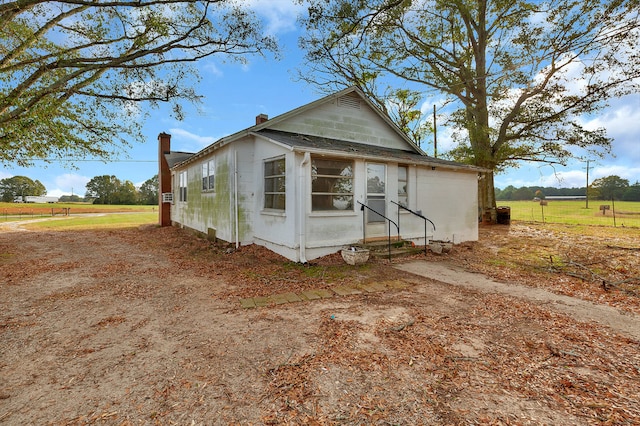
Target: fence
x=32, y=213
x=598, y=212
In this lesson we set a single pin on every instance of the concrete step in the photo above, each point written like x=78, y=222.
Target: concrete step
x=383, y=245
x=397, y=252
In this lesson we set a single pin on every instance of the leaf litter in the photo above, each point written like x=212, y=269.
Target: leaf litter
x=143, y=326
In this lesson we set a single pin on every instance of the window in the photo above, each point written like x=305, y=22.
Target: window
x=274, y=184
x=402, y=185
x=208, y=175
x=183, y=186
x=331, y=184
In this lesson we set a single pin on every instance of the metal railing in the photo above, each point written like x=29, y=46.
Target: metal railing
x=420, y=215
x=364, y=236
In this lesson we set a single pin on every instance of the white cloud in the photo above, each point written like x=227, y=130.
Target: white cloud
x=632, y=174
x=574, y=176
x=280, y=15
x=185, y=140
x=67, y=184
x=211, y=68
x=622, y=121
x=546, y=177
x=64, y=184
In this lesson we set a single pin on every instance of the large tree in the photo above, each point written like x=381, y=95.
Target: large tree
x=20, y=186
x=518, y=75
x=73, y=73
x=148, y=193
x=609, y=187
x=103, y=189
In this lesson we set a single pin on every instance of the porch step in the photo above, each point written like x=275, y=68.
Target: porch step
x=397, y=252
x=400, y=248
x=383, y=244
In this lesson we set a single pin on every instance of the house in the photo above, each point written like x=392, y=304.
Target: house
x=328, y=174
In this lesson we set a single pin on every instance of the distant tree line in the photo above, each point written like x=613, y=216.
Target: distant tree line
x=606, y=188
x=100, y=190
x=20, y=186
x=107, y=189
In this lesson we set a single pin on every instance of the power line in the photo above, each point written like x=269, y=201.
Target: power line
x=65, y=160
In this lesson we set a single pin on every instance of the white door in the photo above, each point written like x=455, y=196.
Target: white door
x=376, y=194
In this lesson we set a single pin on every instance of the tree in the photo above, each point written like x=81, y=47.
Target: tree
x=518, y=74
x=148, y=193
x=70, y=199
x=103, y=189
x=610, y=187
x=126, y=193
x=522, y=193
x=75, y=73
x=20, y=186
x=632, y=193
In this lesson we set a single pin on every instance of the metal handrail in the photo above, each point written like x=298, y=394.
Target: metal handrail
x=420, y=215
x=362, y=207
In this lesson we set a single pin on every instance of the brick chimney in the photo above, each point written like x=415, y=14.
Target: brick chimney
x=262, y=118
x=164, y=178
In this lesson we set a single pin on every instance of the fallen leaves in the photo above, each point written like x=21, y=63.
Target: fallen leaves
x=161, y=338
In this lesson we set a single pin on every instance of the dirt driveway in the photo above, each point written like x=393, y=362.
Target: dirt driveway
x=143, y=326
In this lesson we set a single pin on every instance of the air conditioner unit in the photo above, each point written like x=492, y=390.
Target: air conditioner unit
x=167, y=197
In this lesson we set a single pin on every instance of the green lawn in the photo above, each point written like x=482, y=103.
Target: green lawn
x=82, y=215
x=101, y=221
x=627, y=213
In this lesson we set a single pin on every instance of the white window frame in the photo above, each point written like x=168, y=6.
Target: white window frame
x=208, y=175
x=377, y=198
x=403, y=186
x=182, y=186
x=315, y=195
x=273, y=195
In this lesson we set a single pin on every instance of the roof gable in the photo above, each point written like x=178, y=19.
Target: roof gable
x=328, y=146
x=347, y=115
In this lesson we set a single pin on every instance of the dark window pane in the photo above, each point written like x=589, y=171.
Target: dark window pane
x=377, y=205
x=331, y=202
x=274, y=201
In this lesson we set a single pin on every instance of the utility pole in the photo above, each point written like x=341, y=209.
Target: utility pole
x=587, y=190
x=435, y=134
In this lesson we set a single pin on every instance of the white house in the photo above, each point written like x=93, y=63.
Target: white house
x=310, y=181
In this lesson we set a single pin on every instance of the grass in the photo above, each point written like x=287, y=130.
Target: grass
x=627, y=213
x=113, y=216
x=45, y=208
x=103, y=221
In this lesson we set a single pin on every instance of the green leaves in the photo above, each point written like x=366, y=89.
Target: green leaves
x=74, y=77
x=519, y=74
x=19, y=187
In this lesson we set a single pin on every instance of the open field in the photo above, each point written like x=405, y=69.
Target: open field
x=78, y=216
x=627, y=213
x=94, y=221
x=144, y=326
x=8, y=211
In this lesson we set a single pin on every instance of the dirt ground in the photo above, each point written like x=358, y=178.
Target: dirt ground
x=144, y=326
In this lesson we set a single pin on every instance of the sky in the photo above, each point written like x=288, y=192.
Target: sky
x=234, y=94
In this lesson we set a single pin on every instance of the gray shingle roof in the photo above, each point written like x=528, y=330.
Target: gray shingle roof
x=306, y=142
x=175, y=157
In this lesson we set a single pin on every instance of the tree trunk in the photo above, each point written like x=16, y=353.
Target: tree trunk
x=487, y=198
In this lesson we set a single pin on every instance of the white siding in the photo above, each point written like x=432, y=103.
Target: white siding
x=272, y=228
x=206, y=210
x=345, y=123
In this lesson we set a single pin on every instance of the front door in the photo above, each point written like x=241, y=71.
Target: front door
x=376, y=198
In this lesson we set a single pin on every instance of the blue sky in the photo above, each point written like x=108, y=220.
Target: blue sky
x=235, y=94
